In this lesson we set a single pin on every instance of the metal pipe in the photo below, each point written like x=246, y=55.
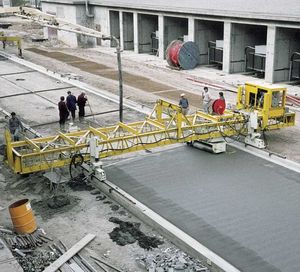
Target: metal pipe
x=87, y=13
x=106, y=263
x=118, y=48
x=86, y=263
x=120, y=79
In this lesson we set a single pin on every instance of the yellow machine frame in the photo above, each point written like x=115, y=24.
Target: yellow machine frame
x=268, y=101
x=165, y=125
x=14, y=39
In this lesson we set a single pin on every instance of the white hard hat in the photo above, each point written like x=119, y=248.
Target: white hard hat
x=182, y=94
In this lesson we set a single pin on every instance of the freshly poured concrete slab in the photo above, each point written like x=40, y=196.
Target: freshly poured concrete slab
x=244, y=208
x=35, y=81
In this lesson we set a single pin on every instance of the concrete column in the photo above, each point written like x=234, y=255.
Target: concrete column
x=191, y=27
x=121, y=30
x=135, y=33
x=6, y=3
x=227, y=47
x=270, y=54
x=161, y=26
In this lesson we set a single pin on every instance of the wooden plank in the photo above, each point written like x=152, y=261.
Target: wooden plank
x=75, y=267
x=70, y=253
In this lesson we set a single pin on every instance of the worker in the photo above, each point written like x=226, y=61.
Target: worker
x=221, y=95
x=261, y=97
x=206, y=98
x=71, y=104
x=81, y=101
x=63, y=113
x=184, y=104
x=219, y=105
x=15, y=126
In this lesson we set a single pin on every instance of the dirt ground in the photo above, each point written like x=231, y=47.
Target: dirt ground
x=89, y=211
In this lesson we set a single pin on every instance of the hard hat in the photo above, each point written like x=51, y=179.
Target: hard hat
x=182, y=94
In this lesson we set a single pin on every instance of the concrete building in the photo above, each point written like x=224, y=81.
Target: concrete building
x=262, y=37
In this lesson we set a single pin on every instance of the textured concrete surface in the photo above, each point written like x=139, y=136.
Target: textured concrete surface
x=243, y=208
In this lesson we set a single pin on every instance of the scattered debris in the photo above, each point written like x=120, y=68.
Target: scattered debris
x=71, y=76
x=107, y=202
x=37, y=261
x=79, y=184
x=122, y=212
x=100, y=197
x=58, y=201
x=169, y=260
x=28, y=250
x=129, y=233
x=41, y=207
x=115, y=207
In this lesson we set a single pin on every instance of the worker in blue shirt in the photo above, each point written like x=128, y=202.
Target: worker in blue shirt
x=184, y=104
x=71, y=104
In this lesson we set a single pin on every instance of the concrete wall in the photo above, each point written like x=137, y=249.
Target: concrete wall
x=134, y=31
x=206, y=31
x=84, y=20
x=114, y=24
x=174, y=28
x=242, y=36
x=147, y=24
x=128, y=36
x=287, y=41
x=101, y=23
x=67, y=12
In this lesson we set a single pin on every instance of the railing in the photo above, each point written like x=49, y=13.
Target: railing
x=254, y=62
x=215, y=54
x=294, y=71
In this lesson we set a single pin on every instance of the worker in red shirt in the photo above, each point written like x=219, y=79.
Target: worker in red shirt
x=81, y=101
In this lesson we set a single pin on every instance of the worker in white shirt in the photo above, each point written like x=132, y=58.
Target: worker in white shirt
x=206, y=98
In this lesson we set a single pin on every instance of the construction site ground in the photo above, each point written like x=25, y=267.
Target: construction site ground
x=146, y=78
